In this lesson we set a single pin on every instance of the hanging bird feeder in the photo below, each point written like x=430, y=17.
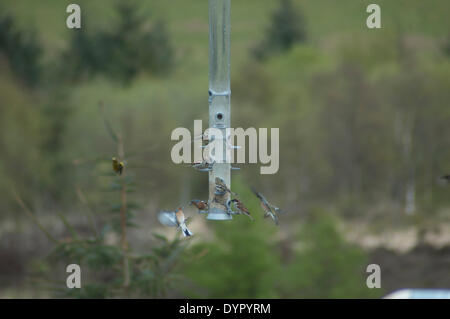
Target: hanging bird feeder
x=219, y=104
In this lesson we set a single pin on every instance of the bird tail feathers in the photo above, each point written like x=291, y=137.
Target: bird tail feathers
x=186, y=231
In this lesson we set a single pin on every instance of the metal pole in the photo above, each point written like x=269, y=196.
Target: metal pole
x=219, y=98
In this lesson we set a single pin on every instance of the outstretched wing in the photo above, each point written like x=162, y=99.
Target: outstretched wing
x=167, y=218
x=259, y=195
x=278, y=210
x=275, y=218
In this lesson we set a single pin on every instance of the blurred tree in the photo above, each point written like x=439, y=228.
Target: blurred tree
x=325, y=265
x=260, y=95
x=111, y=268
x=287, y=28
x=160, y=52
x=56, y=113
x=421, y=133
x=21, y=164
x=358, y=142
x=242, y=261
x=22, y=50
x=132, y=46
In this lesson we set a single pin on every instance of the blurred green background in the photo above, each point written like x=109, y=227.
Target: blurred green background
x=364, y=137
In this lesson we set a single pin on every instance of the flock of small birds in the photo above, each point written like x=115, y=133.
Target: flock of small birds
x=234, y=207
x=177, y=219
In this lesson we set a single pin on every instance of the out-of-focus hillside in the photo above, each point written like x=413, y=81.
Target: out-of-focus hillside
x=363, y=117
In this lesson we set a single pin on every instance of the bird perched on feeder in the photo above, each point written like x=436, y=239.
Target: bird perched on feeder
x=269, y=209
x=241, y=209
x=201, y=205
x=203, y=166
x=175, y=219
x=117, y=166
x=221, y=186
x=227, y=205
x=222, y=200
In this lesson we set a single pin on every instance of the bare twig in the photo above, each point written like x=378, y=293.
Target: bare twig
x=68, y=225
x=33, y=218
x=90, y=215
x=123, y=215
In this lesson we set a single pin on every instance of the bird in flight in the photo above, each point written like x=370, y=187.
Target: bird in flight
x=203, y=166
x=241, y=209
x=269, y=209
x=175, y=219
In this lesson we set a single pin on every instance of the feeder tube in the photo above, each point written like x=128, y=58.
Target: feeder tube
x=219, y=98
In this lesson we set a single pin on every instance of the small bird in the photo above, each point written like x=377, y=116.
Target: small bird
x=201, y=205
x=269, y=209
x=222, y=200
x=175, y=219
x=181, y=220
x=117, y=166
x=227, y=205
x=203, y=166
x=221, y=187
x=241, y=208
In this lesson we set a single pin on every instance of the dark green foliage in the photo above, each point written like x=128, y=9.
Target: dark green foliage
x=287, y=28
x=325, y=265
x=22, y=50
x=242, y=261
x=21, y=164
x=153, y=274
x=56, y=114
x=246, y=260
x=114, y=269
x=122, y=52
x=160, y=53
x=92, y=253
x=156, y=274
x=91, y=291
